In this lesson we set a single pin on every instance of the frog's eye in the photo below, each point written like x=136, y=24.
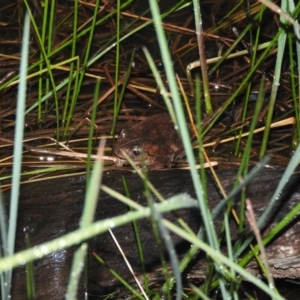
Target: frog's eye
x=136, y=151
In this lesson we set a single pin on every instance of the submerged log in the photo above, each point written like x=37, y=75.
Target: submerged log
x=52, y=208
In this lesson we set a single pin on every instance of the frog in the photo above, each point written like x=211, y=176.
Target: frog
x=153, y=140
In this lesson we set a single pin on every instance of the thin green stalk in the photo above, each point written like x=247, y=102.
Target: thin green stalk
x=117, y=104
x=138, y=240
x=118, y=277
x=81, y=71
x=276, y=82
x=41, y=80
x=30, y=283
x=160, y=234
x=233, y=288
x=118, y=29
x=295, y=94
x=3, y=247
x=89, y=208
x=253, y=52
x=68, y=108
x=91, y=134
x=51, y=31
x=202, y=56
x=76, y=89
x=160, y=84
x=76, y=269
x=36, y=172
x=18, y=148
x=243, y=170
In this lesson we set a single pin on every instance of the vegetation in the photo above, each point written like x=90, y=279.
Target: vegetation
x=86, y=69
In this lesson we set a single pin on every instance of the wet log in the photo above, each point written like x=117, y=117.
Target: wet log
x=52, y=208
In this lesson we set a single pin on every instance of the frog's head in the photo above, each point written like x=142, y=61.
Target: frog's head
x=128, y=143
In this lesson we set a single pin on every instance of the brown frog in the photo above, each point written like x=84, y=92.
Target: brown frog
x=155, y=140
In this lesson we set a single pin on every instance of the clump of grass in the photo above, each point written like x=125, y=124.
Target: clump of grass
x=61, y=84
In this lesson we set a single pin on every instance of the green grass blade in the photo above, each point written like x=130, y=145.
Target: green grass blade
x=91, y=134
x=138, y=240
x=18, y=147
x=202, y=56
x=276, y=82
x=3, y=247
x=87, y=218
